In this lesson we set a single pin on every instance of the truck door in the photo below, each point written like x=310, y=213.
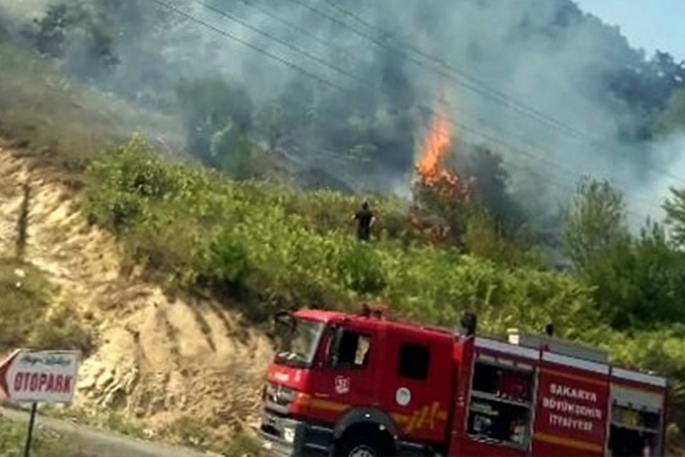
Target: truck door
x=350, y=376
x=418, y=374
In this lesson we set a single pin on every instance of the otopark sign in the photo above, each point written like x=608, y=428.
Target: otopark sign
x=29, y=376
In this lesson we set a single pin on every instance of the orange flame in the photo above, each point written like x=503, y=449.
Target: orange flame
x=436, y=147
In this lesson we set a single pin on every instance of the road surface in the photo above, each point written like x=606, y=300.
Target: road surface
x=100, y=443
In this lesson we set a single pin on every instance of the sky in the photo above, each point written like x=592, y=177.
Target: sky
x=648, y=24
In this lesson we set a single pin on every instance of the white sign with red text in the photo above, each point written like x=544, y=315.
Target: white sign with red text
x=40, y=376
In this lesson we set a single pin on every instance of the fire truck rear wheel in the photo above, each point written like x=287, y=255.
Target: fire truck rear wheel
x=367, y=447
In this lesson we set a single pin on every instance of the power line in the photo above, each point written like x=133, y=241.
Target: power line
x=249, y=45
x=358, y=79
x=464, y=79
x=446, y=70
x=301, y=30
x=327, y=82
x=314, y=57
x=280, y=41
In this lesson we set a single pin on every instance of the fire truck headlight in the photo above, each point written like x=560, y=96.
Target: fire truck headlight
x=289, y=434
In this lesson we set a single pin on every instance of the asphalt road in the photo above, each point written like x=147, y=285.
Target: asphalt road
x=100, y=443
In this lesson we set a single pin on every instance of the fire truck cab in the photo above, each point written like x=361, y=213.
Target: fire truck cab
x=364, y=386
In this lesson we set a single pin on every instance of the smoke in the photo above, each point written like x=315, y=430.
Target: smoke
x=666, y=176
x=19, y=12
x=23, y=10
x=365, y=83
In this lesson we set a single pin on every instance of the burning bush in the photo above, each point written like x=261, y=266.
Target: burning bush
x=441, y=195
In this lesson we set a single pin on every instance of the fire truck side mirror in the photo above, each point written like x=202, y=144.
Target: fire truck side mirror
x=284, y=319
x=469, y=323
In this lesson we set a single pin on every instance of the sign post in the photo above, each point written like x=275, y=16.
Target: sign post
x=29, y=435
x=28, y=376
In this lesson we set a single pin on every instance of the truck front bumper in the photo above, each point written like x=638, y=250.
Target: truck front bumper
x=283, y=437
x=276, y=447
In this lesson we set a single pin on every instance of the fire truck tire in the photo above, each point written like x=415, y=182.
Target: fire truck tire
x=355, y=446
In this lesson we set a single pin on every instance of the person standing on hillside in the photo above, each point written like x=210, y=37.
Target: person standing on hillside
x=365, y=219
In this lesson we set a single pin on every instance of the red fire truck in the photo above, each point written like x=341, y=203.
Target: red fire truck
x=366, y=386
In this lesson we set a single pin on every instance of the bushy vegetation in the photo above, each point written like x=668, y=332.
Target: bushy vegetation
x=283, y=248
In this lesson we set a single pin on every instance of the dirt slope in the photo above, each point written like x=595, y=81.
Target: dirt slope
x=158, y=358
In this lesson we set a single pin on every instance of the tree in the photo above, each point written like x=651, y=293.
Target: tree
x=594, y=224
x=483, y=239
x=56, y=25
x=640, y=283
x=675, y=211
x=77, y=34
x=672, y=118
x=234, y=153
x=280, y=125
x=491, y=182
x=207, y=107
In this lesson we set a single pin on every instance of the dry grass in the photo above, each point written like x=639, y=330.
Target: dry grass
x=40, y=110
x=27, y=316
x=45, y=444
x=25, y=300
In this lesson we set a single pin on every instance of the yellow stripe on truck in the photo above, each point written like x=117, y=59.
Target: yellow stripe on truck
x=567, y=442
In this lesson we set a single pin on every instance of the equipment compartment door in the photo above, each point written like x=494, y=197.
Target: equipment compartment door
x=418, y=375
x=572, y=407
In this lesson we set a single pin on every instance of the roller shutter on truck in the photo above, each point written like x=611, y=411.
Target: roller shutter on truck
x=499, y=409
x=637, y=414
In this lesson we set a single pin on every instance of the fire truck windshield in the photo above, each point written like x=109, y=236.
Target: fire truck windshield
x=298, y=347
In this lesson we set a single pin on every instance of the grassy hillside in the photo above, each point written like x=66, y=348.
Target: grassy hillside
x=277, y=248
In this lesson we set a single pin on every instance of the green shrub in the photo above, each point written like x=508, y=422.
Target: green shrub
x=59, y=330
x=25, y=300
x=190, y=432
x=361, y=270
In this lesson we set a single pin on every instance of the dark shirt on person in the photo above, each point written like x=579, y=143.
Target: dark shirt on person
x=364, y=218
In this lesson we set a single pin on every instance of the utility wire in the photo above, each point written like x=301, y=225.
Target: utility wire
x=431, y=111
x=366, y=82
x=454, y=74
x=280, y=41
x=229, y=35
x=444, y=70
x=339, y=87
x=303, y=31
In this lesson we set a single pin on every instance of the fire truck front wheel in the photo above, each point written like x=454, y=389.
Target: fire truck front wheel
x=356, y=446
